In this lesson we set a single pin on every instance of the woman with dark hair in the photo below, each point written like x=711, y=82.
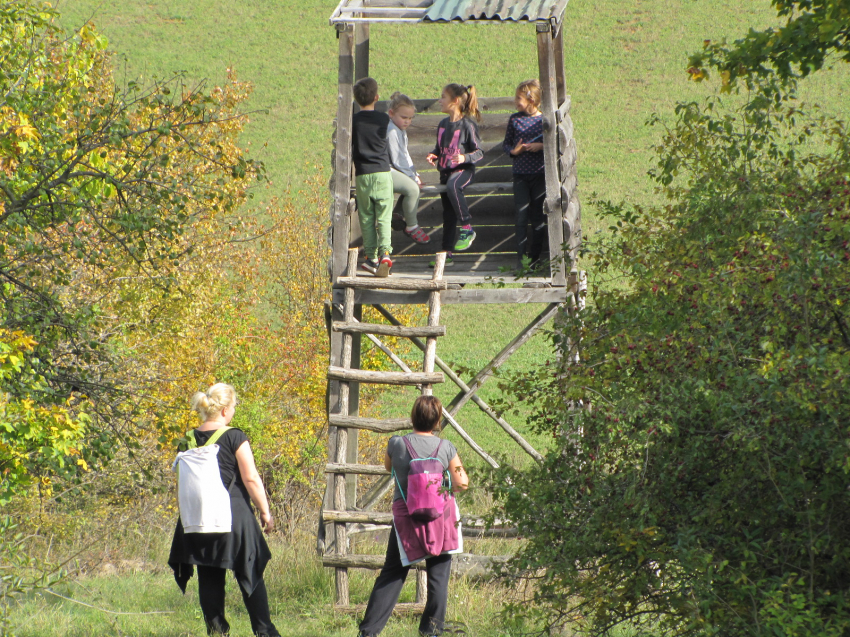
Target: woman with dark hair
x=405, y=546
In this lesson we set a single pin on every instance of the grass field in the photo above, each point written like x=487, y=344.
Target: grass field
x=624, y=61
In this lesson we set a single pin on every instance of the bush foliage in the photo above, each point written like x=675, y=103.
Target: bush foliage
x=699, y=481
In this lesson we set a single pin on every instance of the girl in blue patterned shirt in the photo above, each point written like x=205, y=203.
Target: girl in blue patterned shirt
x=524, y=143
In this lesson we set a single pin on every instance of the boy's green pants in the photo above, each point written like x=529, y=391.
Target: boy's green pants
x=375, y=208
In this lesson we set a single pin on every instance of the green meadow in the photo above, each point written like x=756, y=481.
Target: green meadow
x=624, y=62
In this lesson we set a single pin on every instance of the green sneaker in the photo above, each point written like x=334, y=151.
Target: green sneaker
x=465, y=239
x=449, y=261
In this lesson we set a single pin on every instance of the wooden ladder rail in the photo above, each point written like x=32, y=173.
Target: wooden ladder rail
x=344, y=374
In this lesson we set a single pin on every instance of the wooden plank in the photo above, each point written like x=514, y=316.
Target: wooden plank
x=564, y=108
x=384, y=378
x=401, y=3
x=487, y=371
x=461, y=297
x=360, y=469
x=501, y=187
x=374, y=12
x=421, y=586
x=568, y=187
x=340, y=484
x=490, y=210
x=352, y=456
x=342, y=154
x=378, y=491
x=568, y=158
x=432, y=106
x=494, y=155
x=376, y=283
x=463, y=564
x=546, y=64
x=475, y=522
x=560, y=79
x=423, y=129
x=361, y=50
x=433, y=321
x=489, y=239
x=401, y=608
x=386, y=425
x=390, y=330
x=565, y=133
x=484, y=174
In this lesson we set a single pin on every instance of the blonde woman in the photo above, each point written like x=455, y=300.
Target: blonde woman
x=243, y=550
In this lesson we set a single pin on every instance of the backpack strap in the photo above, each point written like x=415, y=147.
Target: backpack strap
x=218, y=433
x=192, y=442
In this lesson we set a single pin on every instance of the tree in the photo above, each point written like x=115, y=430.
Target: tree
x=106, y=195
x=813, y=30
x=698, y=479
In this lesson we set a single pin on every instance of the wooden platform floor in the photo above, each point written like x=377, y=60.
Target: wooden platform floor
x=491, y=258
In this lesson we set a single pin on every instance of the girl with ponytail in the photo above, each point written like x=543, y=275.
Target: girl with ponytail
x=458, y=148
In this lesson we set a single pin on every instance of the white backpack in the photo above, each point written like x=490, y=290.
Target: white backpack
x=203, y=500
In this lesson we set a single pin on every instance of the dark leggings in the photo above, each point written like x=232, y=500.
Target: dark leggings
x=388, y=587
x=211, y=593
x=455, y=210
x=529, y=193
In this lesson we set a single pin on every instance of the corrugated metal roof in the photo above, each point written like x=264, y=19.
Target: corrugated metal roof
x=445, y=10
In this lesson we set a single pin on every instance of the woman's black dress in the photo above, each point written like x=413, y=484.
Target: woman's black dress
x=244, y=549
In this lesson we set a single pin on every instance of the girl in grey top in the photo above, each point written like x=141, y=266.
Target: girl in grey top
x=406, y=180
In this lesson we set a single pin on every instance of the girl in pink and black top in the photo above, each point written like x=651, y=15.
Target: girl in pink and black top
x=524, y=143
x=458, y=148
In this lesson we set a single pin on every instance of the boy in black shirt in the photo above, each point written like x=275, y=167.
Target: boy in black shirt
x=372, y=177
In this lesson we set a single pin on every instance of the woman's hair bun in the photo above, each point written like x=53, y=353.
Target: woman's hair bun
x=212, y=401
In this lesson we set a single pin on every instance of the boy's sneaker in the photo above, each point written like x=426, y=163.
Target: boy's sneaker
x=465, y=239
x=397, y=222
x=370, y=265
x=449, y=261
x=384, y=266
x=418, y=235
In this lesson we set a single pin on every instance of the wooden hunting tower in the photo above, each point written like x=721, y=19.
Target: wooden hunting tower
x=412, y=282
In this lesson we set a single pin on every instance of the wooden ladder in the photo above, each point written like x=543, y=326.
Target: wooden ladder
x=338, y=414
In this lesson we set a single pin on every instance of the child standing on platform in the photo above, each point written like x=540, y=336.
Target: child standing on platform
x=524, y=143
x=458, y=148
x=374, y=184
x=406, y=180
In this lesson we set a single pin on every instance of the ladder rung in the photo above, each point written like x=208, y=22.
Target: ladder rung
x=401, y=608
x=384, y=378
x=462, y=564
x=362, y=469
x=374, y=283
x=372, y=424
x=375, y=562
x=355, y=517
x=424, y=331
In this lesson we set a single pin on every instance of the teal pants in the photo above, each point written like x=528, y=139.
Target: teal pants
x=375, y=208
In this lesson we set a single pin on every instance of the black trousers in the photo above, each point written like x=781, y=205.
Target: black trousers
x=388, y=587
x=529, y=194
x=211, y=593
x=455, y=209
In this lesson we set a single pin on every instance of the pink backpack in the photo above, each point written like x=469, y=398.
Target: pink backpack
x=425, y=497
